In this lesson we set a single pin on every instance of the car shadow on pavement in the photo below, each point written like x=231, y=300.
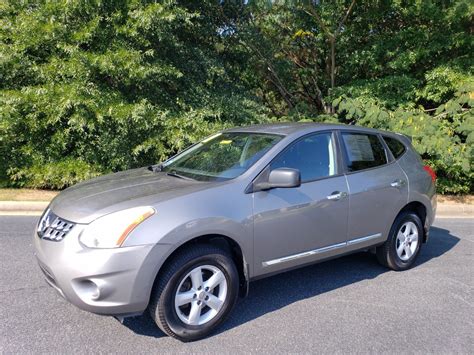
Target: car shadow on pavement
x=275, y=292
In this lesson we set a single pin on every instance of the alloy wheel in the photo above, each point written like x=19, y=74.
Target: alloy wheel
x=201, y=295
x=407, y=240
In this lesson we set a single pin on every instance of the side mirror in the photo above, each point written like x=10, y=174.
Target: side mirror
x=281, y=177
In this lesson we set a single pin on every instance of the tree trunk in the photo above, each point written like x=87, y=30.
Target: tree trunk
x=332, y=42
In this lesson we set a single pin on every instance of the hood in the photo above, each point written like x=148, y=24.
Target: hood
x=86, y=201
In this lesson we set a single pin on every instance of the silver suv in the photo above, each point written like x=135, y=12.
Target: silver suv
x=184, y=238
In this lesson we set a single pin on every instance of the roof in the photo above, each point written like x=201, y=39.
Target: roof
x=287, y=128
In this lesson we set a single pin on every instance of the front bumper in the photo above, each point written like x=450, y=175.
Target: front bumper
x=105, y=281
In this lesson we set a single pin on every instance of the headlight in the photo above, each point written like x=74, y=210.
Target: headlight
x=111, y=230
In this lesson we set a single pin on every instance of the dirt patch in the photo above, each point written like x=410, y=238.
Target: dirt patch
x=26, y=195
x=468, y=199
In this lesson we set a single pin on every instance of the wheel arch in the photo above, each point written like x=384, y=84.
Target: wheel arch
x=224, y=242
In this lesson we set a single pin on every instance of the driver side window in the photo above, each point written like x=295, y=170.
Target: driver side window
x=312, y=155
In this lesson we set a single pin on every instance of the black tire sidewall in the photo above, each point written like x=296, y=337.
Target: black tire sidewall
x=400, y=264
x=187, y=332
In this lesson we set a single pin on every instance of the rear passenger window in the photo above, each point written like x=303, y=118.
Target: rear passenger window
x=363, y=151
x=396, y=147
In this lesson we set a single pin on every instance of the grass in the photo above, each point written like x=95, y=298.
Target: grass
x=26, y=195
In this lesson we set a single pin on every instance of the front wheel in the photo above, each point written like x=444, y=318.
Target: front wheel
x=195, y=292
x=403, y=244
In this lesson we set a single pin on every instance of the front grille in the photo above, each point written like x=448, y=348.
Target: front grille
x=52, y=227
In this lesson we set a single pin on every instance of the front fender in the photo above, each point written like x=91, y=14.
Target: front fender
x=172, y=241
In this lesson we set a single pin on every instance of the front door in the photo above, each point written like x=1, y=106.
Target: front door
x=294, y=226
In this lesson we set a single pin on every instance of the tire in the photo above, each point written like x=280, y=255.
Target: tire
x=207, y=309
x=399, y=252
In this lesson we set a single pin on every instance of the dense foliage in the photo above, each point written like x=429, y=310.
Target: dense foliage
x=88, y=87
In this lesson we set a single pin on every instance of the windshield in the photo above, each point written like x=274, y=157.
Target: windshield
x=223, y=156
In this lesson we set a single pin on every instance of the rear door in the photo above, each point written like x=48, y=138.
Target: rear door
x=378, y=187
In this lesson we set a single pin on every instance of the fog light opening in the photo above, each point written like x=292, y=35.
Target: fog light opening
x=90, y=289
x=95, y=295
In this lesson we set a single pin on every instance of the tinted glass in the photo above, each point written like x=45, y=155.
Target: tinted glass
x=396, y=147
x=363, y=151
x=221, y=157
x=313, y=156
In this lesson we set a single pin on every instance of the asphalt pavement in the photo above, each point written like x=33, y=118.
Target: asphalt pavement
x=347, y=305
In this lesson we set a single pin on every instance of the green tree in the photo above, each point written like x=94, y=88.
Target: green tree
x=375, y=64
x=94, y=86
x=88, y=87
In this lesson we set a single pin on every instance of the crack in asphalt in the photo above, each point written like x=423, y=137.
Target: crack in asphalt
x=24, y=289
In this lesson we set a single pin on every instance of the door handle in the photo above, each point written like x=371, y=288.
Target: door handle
x=398, y=183
x=337, y=195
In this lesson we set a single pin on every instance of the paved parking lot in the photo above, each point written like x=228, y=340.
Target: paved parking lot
x=346, y=305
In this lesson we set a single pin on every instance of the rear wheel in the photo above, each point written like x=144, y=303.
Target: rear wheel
x=403, y=244
x=195, y=292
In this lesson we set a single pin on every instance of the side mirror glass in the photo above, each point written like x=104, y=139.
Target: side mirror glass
x=281, y=178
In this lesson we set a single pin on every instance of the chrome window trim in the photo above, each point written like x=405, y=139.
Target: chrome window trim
x=320, y=250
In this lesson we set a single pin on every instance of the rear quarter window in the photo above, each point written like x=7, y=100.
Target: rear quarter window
x=363, y=151
x=396, y=147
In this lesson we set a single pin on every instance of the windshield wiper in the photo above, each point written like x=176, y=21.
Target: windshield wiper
x=175, y=174
x=155, y=168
